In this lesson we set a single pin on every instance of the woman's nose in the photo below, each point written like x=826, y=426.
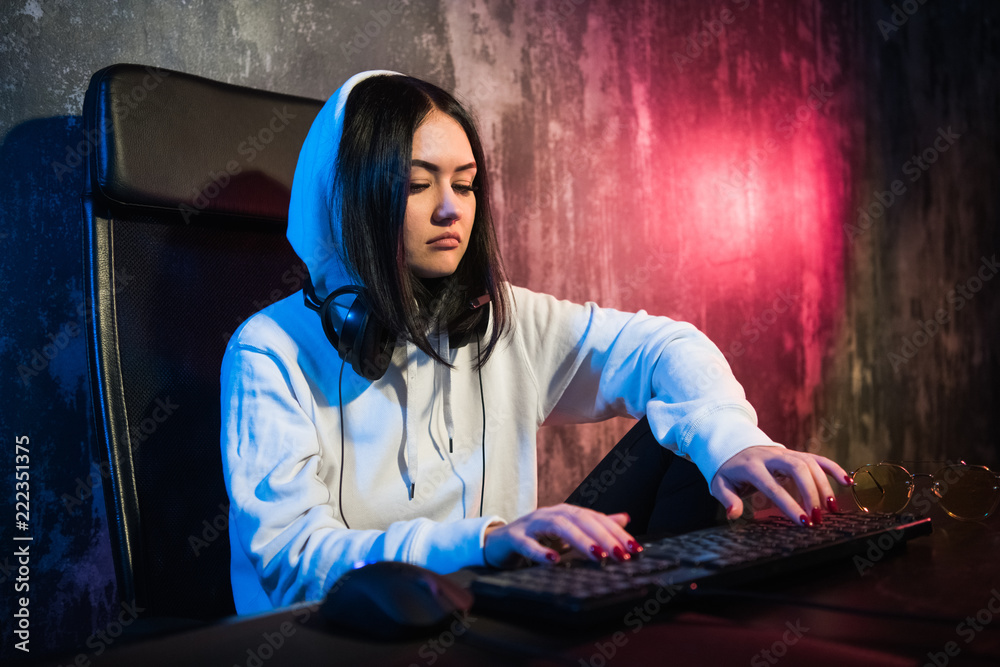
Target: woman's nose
x=447, y=209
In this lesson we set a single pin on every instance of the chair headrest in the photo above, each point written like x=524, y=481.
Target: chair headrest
x=167, y=140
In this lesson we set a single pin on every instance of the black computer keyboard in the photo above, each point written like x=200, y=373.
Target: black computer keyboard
x=581, y=591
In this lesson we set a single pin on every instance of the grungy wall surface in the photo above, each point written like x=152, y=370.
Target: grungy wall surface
x=813, y=183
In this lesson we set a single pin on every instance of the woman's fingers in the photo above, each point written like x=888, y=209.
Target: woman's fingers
x=812, y=482
x=758, y=466
x=763, y=479
x=621, y=518
x=828, y=500
x=608, y=532
x=833, y=469
x=726, y=494
x=799, y=471
x=505, y=545
x=591, y=533
x=534, y=550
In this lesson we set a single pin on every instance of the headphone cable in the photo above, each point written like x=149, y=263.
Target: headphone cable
x=482, y=402
x=340, y=396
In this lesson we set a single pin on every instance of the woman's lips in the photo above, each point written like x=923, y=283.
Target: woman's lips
x=445, y=242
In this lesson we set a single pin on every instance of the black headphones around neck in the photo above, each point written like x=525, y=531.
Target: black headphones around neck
x=363, y=341
x=367, y=346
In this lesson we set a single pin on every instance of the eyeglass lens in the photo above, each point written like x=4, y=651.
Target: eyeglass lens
x=968, y=492
x=882, y=488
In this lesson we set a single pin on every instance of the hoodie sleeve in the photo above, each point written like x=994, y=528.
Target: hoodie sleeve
x=593, y=363
x=284, y=522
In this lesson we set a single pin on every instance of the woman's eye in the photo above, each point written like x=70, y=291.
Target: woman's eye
x=465, y=189
x=418, y=187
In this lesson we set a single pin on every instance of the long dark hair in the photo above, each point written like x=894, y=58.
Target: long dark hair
x=373, y=183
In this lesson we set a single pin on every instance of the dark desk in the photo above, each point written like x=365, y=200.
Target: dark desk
x=941, y=594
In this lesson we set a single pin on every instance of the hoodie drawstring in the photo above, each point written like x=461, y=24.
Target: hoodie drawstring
x=444, y=350
x=442, y=379
x=411, y=417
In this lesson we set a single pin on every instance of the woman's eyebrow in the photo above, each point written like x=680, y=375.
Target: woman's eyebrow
x=430, y=166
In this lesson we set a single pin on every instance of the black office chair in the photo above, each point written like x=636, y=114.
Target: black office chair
x=185, y=208
x=663, y=493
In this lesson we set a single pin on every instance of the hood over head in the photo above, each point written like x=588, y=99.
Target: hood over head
x=314, y=218
x=316, y=234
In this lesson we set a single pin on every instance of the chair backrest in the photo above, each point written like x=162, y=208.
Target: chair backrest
x=185, y=208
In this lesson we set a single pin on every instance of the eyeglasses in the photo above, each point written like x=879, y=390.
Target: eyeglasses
x=963, y=491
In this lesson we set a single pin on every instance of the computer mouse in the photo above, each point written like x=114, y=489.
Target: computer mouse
x=392, y=600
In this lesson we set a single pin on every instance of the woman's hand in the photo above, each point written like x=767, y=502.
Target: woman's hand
x=593, y=534
x=758, y=466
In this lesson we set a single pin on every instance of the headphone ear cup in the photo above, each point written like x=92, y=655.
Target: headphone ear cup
x=352, y=333
x=326, y=312
x=363, y=342
x=375, y=350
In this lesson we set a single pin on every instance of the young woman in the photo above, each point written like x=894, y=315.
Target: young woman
x=400, y=424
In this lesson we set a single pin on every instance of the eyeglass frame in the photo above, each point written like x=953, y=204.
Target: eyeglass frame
x=911, y=485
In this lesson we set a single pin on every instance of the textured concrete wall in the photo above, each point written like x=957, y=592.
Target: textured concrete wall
x=702, y=160
x=914, y=370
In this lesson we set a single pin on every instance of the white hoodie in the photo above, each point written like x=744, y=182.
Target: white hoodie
x=562, y=362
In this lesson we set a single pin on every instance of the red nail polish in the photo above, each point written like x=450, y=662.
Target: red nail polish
x=634, y=547
x=848, y=480
x=804, y=520
x=831, y=504
x=817, y=516
x=597, y=551
x=552, y=556
x=620, y=555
